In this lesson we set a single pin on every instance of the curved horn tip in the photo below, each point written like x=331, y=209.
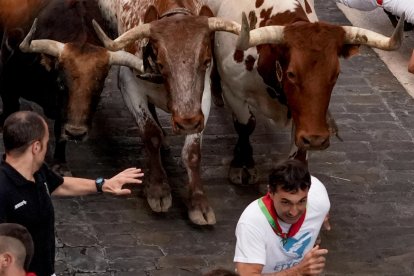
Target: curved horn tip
x=25, y=44
x=107, y=42
x=244, y=37
x=397, y=36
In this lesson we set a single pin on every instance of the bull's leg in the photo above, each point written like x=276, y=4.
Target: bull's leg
x=199, y=210
x=59, y=156
x=165, y=145
x=216, y=90
x=242, y=168
x=60, y=145
x=157, y=189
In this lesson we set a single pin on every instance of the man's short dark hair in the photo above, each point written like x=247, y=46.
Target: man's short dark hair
x=290, y=175
x=21, y=129
x=21, y=234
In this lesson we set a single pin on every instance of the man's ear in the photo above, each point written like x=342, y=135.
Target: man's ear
x=36, y=146
x=6, y=260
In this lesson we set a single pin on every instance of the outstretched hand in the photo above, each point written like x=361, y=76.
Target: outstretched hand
x=314, y=262
x=114, y=185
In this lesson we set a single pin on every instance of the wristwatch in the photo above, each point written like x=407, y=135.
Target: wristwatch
x=99, y=182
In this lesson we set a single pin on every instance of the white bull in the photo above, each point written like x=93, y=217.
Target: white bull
x=176, y=36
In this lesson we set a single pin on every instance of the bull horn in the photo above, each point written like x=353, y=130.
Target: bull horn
x=140, y=31
x=126, y=59
x=45, y=46
x=355, y=35
x=264, y=35
x=218, y=24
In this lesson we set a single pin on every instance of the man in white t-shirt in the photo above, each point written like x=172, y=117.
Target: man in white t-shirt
x=276, y=234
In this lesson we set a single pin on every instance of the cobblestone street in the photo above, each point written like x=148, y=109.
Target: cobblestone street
x=369, y=177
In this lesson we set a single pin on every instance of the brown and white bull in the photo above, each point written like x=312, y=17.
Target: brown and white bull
x=176, y=36
x=66, y=78
x=286, y=67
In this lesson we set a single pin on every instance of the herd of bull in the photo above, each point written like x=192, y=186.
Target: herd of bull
x=267, y=56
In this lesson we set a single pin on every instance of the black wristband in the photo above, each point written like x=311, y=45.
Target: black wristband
x=99, y=182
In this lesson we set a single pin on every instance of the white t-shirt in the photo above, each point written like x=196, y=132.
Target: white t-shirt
x=257, y=243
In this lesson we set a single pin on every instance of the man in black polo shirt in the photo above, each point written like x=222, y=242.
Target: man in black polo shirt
x=26, y=184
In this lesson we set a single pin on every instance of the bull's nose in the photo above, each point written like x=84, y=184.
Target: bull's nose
x=76, y=133
x=317, y=142
x=188, y=125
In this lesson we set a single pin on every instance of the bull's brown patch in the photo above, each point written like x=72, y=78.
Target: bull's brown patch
x=249, y=62
x=268, y=19
x=252, y=20
x=265, y=15
x=238, y=56
x=259, y=3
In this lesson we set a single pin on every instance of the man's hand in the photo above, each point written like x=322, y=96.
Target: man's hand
x=313, y=263
x=114, y=185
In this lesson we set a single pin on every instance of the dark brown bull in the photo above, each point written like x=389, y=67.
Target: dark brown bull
x=66, y=78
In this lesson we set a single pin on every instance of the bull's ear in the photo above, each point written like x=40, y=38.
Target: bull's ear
x=205, y=11
x=348, y=50
x=151, y=14
x=48, y=62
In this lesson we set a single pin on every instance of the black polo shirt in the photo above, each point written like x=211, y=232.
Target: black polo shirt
x=28, y=203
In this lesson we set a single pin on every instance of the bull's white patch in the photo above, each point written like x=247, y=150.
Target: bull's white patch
x=20, y=204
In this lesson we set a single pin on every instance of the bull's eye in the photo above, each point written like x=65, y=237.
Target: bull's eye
x=291, y=76
x=160, y=66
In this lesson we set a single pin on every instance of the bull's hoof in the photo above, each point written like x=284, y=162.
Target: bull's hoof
x=202, y=218
x=243, y=176
x=159, y=197
x=160, y=205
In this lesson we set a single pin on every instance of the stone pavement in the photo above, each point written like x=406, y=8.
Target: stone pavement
x=369, y=176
